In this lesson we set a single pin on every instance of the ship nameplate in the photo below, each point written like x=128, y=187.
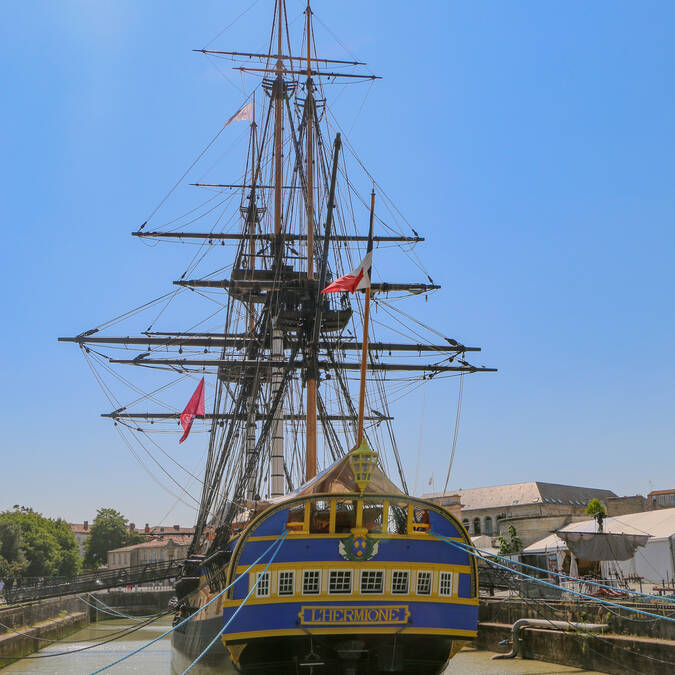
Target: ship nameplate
x=331, y=615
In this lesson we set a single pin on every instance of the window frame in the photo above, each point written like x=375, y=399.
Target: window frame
x=279, y=575
x=383, y=584
x=430, y=574
x=318, y=585
x=258, y=583
x=441, y=576
x=349, y=571
x=391, y=586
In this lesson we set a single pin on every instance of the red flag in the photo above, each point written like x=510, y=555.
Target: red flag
x=352, y=282
x=195, y=407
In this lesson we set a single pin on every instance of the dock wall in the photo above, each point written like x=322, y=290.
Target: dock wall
x=627, y=646
x=25, y=629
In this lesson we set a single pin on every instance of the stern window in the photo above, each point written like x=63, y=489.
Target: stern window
x=263, y=588
x=372, y=581
x=398, y=518
x=399, y=581
x=345, y=516
x=372, y=516
x=311, y=582
x=424, y=583
x=340, y=581
x=319, y=519
x=445, y=584
x=286, y=582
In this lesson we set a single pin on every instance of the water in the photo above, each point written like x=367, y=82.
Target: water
x=156, y=659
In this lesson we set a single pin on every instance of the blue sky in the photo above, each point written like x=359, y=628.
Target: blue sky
x=532, y=143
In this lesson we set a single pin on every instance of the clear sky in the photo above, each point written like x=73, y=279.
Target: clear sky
x=531, y=142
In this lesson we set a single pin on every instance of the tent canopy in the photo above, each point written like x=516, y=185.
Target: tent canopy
x=603, y=545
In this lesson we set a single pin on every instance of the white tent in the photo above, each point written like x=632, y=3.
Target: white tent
x=654, y=562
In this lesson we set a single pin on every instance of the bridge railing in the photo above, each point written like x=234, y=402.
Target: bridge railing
x=36, y=588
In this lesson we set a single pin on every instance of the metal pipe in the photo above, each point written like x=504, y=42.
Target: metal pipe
x=544, y=623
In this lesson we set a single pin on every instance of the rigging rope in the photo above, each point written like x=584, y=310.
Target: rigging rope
x=454, y=437
x=472, y=550
x=236, y=611
x=276, y=542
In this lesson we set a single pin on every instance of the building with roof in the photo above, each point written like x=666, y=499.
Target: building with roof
x=82, y=532
x=162, y=530
x=534, y=508
x=157, y=549
x=661, y=499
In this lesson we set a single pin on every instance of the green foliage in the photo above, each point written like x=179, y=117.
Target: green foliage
x=34, y=546
x=512, y=544
x=597, y=509
x=108, y=531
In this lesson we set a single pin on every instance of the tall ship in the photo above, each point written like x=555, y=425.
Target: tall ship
x=310, y=555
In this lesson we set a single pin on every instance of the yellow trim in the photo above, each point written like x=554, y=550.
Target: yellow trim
x=387, y=618
x=354, y=597
x=308, y=508
x=370, y=564
x=331, y=521
x=417, y=536
x=359, y=513
x=375, y=630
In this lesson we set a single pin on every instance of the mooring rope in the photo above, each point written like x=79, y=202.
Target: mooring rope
x=485, y=555
x=276, y=542
x=467, y=549
x=114, y=612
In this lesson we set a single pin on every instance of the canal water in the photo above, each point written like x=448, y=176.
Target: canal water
x=82, y=656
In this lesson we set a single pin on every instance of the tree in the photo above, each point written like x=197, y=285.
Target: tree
x=597, y=509
x=108, y=531
x=35, y=546
x=510, y=545
x=12, y=561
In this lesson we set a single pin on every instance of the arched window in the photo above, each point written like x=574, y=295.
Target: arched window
x=476, y=526
x=488, y=525
x=467, y=524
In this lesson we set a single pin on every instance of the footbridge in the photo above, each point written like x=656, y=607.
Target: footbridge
x=37, y=588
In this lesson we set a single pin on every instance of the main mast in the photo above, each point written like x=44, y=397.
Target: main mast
x=279, y=93
x=310, y=449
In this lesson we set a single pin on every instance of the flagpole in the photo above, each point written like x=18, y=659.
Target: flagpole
x=366, y=315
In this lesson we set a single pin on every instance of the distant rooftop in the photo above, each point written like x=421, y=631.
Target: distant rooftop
x=179, y=539
x=531, y=492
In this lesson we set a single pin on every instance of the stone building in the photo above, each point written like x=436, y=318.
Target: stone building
x=534, y=508
x=154, y=550
x=661, y=499
x=82, y=532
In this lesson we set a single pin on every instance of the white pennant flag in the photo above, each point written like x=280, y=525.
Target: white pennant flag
x=244, y=114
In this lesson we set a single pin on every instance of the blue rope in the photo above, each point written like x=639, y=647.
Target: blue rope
x=557, y=574
x=184, y=621
x=236, y=611
x=550, y=585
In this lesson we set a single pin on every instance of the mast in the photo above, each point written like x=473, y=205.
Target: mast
x=251, y=402
x=366, y=315
x=310, y=448
x=277, y=437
